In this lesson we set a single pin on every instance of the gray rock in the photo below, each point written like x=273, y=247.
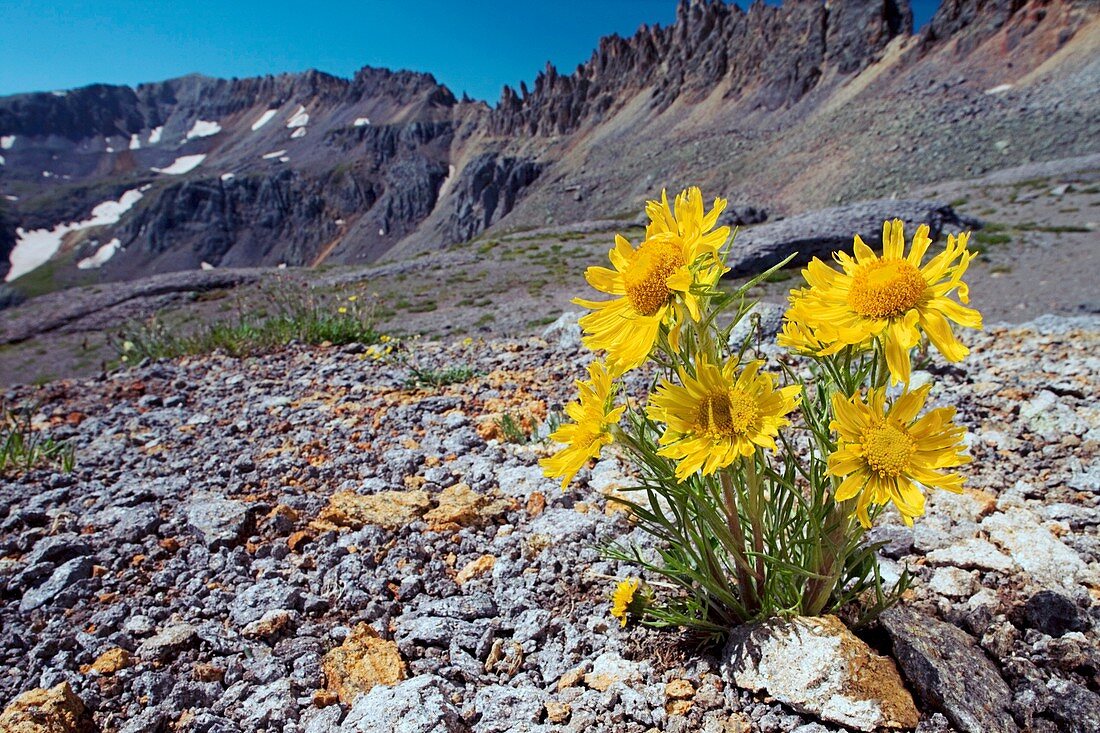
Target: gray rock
x=267, y=595
x=129, y=524
x=949, y=672
x=217, y=521
x=769, y=316
x=1074, y=706
x=503, y=709
x=418, y=705
x=271, y=704
x=58, y=548
x=62, y=578
x=1051, y=613
x=565, y=331
x=169, y=642
x=820, y=233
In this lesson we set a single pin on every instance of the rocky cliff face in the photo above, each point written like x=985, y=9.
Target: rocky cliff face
x=776, y=107
x=771, y=55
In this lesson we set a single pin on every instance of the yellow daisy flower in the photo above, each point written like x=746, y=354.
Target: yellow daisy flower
x=657, y=284
x=593, y=415
x=883, y=454
x=892, y=298
x=796, y=335
x=713, y=418
x=629, y=598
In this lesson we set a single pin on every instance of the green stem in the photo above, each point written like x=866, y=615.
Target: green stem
x=733, y=521
x=757, y=521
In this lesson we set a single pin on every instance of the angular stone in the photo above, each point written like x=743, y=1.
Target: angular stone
x=168, y=642
x=56, y=710
x=419, y=705
x=817, y=666
x=1051, y=613
x=1043, y=556
x=460, y=506
x=475, y=569
x=79, y=568
x=218, y=522
x=362, y=662
x=973, y=554
x=111, y=661
x=387, y=509
x=609, y=668
x=505, y=709
x=949, y=672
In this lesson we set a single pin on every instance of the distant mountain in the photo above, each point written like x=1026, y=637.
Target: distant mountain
x=779, y=108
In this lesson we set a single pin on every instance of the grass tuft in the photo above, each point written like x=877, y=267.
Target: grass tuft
x=23, y=448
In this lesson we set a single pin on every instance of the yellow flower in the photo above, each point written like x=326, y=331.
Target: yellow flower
x=892, y=298
x=657, y=284
x=630, y=598
x=593, y=414
x=883, y=454
x=713, y=419
x=341, y=309
x=796, y=335
x=353, y=298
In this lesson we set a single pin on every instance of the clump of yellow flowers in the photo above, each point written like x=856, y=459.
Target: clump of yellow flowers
x=760, y=480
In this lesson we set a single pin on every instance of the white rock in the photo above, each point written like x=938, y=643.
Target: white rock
x=817, y=666
x=565, y=331
x=1044, y=557
x=952, y=582
x=973, y=553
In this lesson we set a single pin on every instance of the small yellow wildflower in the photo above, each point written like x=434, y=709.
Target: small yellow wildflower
x=713, y=419
x=341, y=310
x=656, y=284
x=593, y=415
x=353, y=298
x=883, y=454
x=629, y=599
x=892, y=298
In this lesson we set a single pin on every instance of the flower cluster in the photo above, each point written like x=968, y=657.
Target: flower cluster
x=761, y=481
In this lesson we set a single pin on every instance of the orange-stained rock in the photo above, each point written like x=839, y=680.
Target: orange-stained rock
x=475, y=568
x=111, y=661
x=389, y=509
x=536, y=503
x=56, y=710
x=557, y=712
x=360, y=663
x=460, y=506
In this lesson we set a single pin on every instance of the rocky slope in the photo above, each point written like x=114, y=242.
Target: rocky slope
x=779, y=108
x=302, y=543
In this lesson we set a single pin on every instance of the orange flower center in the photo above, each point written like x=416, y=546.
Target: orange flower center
x=645, y=278
x=887, y=449
x=886, y=288
x=727, y=414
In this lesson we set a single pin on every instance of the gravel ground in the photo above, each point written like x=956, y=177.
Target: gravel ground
x=230, y=523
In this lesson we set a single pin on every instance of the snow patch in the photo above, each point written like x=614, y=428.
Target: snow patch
x=135, y=142
x=228, y=176
x=182, y=164
x=264, y=119
x=299, y=119
x=107, y=145
x=2, y=162
x=300, y=132
x=34, y=248
x=154, y=135
x=272, y=156
x=362, y=121
x=47, y=174
x=999, y=89
x=205, y=266
x=6, y=141
x=284, y=159
x=9, y=197
x=101, y=256
x=60, y=94
x=203, y=128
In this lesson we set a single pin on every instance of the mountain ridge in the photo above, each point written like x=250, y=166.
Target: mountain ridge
x=777, y=107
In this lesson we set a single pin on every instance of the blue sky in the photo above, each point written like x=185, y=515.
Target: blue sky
x=475, y=46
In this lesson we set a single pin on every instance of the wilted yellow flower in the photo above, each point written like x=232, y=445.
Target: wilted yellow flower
x=629, y=600
x=892, y=298
x=883, y=454
x=657, y=283
x=713, y=419
x=593, y=414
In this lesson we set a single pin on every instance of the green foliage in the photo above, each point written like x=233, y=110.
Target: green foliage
x=23, y=448
x=286, y=313
x=425, y=377
x=512, y=430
